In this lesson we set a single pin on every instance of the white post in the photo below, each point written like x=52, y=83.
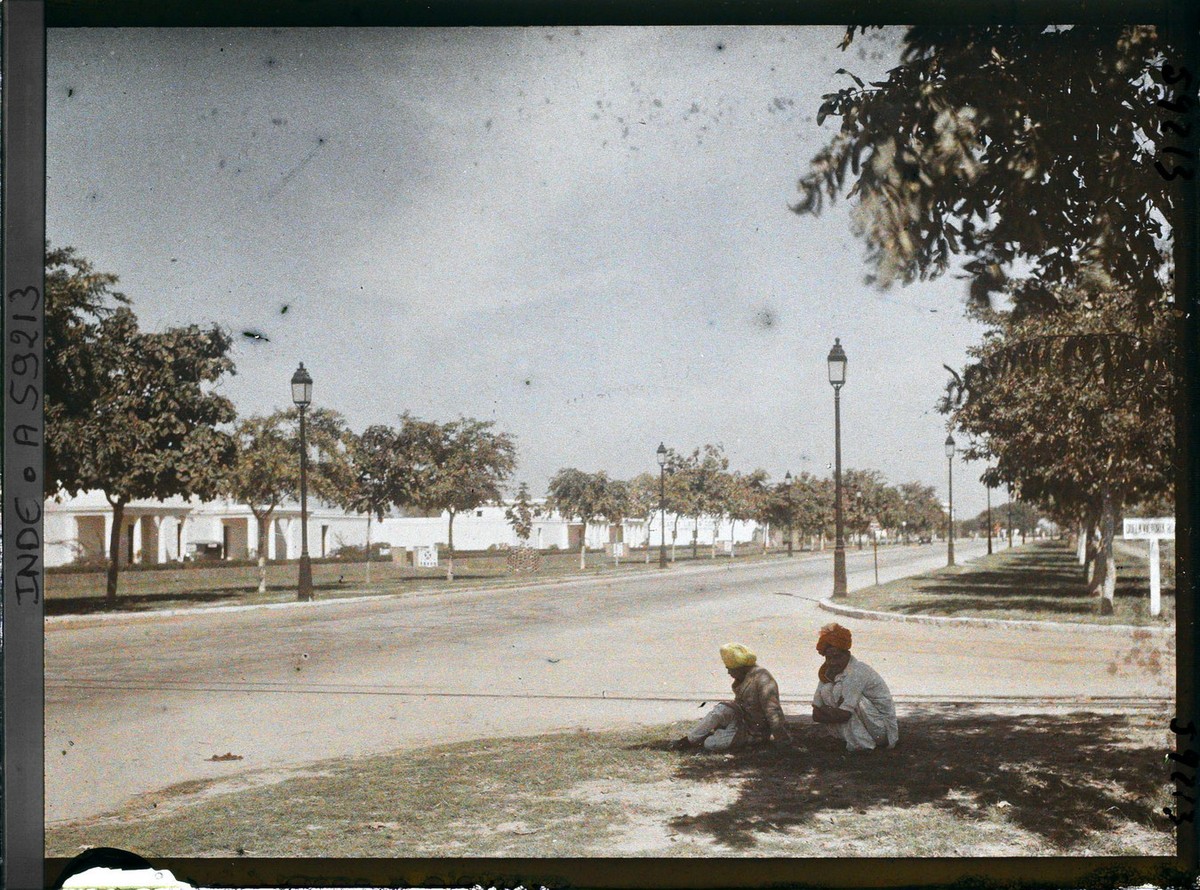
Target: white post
x=161, y=540
x=137, y=539
x=183, y=537
x=1155, y=588
x=272, y=531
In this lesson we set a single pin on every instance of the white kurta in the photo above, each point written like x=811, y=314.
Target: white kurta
x=861, y=691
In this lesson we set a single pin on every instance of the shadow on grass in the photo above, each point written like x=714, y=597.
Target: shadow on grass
x=139, y=602
x=1062, y=777
x=1044, y=577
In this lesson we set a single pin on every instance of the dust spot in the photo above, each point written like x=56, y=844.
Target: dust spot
x=283, y=311
x=720, y=47
x=765, y=318
x=255, y=335
x=270, y=62
x=221, y=164
x=528, y=382
x=70, y=92
x=279, y=121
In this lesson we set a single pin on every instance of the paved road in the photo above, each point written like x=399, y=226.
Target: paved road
x=145, y=702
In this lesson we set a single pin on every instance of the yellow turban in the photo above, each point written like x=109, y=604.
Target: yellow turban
x=834, y=635
x=736, y=655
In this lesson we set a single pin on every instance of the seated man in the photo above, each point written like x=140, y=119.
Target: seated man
x=754, y=715
x=851, y=699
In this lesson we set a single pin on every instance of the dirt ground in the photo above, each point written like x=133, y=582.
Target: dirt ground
x=964, y=781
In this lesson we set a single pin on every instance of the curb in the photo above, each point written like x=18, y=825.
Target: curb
x=573, y=579
x=1069, y=626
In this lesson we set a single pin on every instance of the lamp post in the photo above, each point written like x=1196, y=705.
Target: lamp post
x=837, y=377
x=662, y=504
x=950, y=512
x=302, y=397
x=989, y=512
x=787, y=481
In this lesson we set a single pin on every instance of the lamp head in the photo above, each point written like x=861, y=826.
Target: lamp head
x=301, y=387
x=837, y=363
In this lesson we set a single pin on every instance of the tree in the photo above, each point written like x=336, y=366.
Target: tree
x=920, y=508
x=457, y=466
x=964, y=150
x=521, y=513
x=698, y=480
x=77, y=299
x=644, y=491
x=152, y=431
x=744, y=494
x=574, y=493
x=616, y=506
x=264, y=472
x=380, y=474
x=1076, y=431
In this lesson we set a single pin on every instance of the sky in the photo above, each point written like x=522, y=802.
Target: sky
x=581, y=234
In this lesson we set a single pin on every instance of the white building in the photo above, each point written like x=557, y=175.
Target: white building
x=78, y=530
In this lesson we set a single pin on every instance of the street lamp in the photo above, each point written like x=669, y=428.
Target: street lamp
x=302, y=397
x=662, y=504
x=837, y=377
x=787, y=480
x=950, y=513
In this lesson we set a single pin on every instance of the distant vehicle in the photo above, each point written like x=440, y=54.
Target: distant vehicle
x=205, y=550
x=925, y=539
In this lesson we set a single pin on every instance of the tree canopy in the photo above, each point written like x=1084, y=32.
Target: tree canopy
x=1015, y=148
x=456, y=466
x=153, y=430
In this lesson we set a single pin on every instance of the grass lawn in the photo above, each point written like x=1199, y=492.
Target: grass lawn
x=1040, y=581
x=213, y=584
x=963, y=782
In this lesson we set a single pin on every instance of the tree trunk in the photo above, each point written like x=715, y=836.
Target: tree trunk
x=583, y=548
x=114, y=553
x=766, y=535
x=1106, y=557
x=1092, y=567
x=368, y=580
x=620, y=540
x=1081, y=544
x=450, y=546
x=674, y=535
x=695, y=537
x=648, y=541
x=264, y=530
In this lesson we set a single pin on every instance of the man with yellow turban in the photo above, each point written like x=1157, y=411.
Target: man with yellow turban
x=852, y=700
x=752, y=718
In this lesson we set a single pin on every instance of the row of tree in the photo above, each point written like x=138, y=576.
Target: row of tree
x=700, y=486
x=1062, y=221
x=139, y=415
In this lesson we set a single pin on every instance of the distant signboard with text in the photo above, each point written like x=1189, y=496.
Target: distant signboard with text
x=1150, y=528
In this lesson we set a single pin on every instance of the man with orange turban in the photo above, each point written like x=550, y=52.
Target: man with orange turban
x=852, y=700
x=752, y=718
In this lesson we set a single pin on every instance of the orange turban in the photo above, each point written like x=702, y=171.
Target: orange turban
x=834, y=635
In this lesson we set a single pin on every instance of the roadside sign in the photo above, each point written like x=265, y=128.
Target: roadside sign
x=1150, y=528
x=426, y=557
x=1153, y=530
